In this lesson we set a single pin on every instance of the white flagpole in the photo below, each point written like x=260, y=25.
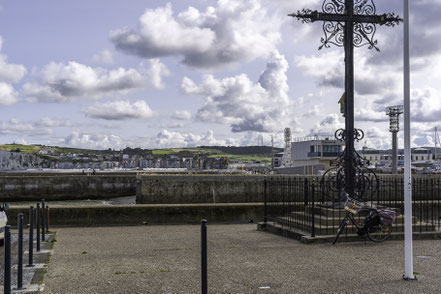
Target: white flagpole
x=408, y=250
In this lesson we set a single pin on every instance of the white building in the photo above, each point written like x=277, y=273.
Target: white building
x=311, y=155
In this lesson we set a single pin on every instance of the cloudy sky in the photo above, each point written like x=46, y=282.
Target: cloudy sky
x=154, y=74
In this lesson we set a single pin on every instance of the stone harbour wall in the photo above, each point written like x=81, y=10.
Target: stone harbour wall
x=65, y=187
x=176, y=189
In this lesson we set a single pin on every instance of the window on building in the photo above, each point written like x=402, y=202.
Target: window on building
x=331, y=148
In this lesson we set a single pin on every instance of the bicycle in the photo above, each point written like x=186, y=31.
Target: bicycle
x=377, y=224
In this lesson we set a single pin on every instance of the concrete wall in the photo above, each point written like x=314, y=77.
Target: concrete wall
x=200, y=189
x=146, y=214
x=65, y=187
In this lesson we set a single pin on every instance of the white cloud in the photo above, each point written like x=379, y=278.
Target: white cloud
x=175, y=125
x=327, y=126
x=93, y=141
x=119, y=110
x=378, y=138
x=297, y=4
x=7, y=94
x=181, y=115
x=9, y=73
x=14, y=126
x=246, y=106
x=314, y=111
x=329, y=70
x=21, y=141
x=59, y=82
x=50, y=122
x=156, y=71
x=230, y=32
x=426, y=105
x=105, y=56
x=169, y=139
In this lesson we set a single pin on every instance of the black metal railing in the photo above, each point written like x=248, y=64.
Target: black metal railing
x=308, y=205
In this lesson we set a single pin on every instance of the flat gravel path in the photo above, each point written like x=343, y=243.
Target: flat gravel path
x=166, y=259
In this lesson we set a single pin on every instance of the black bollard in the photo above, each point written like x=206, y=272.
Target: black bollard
x=38, y=227
x=204, y=255
x=20, y=253
x=31, y=237
x=7, y=272
x=43, y=217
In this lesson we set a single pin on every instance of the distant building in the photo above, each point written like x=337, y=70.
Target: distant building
x=312, y=155
x=421, y=154
x=45, y=151
x=374, y=156
x=278, y=159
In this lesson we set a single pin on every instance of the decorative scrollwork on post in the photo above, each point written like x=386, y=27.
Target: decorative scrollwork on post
x=358, y=135
x=340, y=135
x=305, y=16
x=334, y=34
x=364, y=7
x=364, y=34
x=333, y=181
x=333, y=6
x=390, y=19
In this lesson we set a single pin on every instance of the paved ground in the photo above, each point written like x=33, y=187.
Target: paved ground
x=166, y=259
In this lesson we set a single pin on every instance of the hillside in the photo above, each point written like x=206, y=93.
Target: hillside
x=246, y=153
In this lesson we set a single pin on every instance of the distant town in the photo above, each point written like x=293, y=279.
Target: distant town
x=307, y=156
x=30, y=157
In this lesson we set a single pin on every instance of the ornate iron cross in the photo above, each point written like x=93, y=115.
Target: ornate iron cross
x=349, y=23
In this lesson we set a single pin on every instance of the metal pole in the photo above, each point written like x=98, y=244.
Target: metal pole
x=408, y=250
x=349, y=166
x=20, y=253
x=394, y=153
x=204, y=255
x=38, y=227
x=265, y=204
x=436, y=151
x=31, y=237
x=43, y=223
x=313, y=211
x=7, y=272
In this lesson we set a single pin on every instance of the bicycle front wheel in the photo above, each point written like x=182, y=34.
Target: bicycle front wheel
x=379, y=233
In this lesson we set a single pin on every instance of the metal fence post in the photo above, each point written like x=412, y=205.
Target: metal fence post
x=20, y=253
x=313, y=211
x=38, y=227
x=265, y=196
x=305, y=192
x=7, y=271
x=43, y=224
x=31, y=236
x=48, y=209
x=204, y=255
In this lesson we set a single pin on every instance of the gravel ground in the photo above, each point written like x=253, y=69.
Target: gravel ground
x=166, y=259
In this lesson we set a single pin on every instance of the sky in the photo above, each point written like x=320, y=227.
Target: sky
x=155, y=74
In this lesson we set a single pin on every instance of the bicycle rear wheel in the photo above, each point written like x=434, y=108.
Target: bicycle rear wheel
x=379, y=233
x=340, y=229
